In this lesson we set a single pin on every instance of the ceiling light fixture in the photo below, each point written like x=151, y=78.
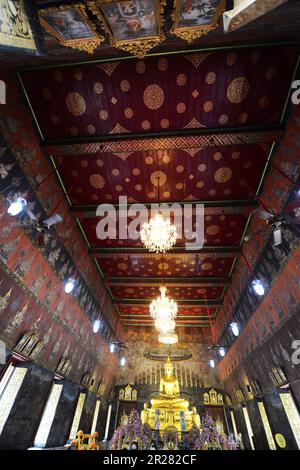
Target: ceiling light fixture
x=163, y=310
x=212, y=363
x=122, y=361
x=112, y=348
x=222, y=351
x=158, y=235
x=168, y=338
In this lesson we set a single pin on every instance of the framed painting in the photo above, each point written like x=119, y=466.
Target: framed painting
x=134, y=25
x=194, y=18
x=71, y=26
x=19, y=27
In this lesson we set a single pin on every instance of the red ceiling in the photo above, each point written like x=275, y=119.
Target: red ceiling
x=214, y=89
x=172, y=95
x=177, y=292
x=219, y=230
x=229, y=172
x=179, y=265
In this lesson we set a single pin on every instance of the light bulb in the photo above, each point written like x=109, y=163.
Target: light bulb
x=235, y=329
x=112, y=347
x=258, y=287
x=212, y=363
x=222, y=352
x=122, y=361
x=69, y=285
x=17, y=206
x=96, y=326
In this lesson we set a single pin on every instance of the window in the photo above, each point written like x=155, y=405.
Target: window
x=95, y=418
x=77, y=416
x=233, y=424
x=266, y=425
x=249, y=427
x=9, y=387
x=48, y=416
x=292, y=414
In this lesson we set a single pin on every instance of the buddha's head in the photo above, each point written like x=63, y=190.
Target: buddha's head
x=194, y=410
x=168, y=367
x=145, y=406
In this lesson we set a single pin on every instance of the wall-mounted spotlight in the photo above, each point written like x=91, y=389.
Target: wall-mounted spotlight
x=258, y=287
x=222, y=351
x=69, y=285
x=96, y=326
x=235, y=329
x=212, y=363
x=17, y=206
x=112, y=347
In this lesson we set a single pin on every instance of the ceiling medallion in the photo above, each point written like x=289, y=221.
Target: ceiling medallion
x=164, y=311
x=158, y=235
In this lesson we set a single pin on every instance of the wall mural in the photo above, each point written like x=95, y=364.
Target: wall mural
x=18, y=26
x=144, y=361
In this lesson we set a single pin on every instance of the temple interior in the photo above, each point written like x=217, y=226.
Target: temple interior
x=150, y=225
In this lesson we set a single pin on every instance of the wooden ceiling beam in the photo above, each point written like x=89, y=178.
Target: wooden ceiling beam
x=207, y=203
x=116, y=281
x=255, y=134
x=204, y=302
x=176, y=249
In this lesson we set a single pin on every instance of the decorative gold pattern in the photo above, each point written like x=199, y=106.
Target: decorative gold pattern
x=153, y=97
x=222, y=175
x=97, y=181
x=4, y=301
x=75, y=103
x=238, y=90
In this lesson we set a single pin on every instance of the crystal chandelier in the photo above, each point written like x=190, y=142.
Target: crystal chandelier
x=163, y=311
x=158, y=234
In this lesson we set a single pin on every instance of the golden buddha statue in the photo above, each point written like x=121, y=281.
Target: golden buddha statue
x=169, y=410
x=169, y=391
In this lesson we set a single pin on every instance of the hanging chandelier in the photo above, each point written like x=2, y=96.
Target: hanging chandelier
x=164, y=311
x=158, y=235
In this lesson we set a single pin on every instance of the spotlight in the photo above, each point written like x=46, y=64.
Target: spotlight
x=222, y=351
x=69, y=285
x=96, y=326
x=17, y=206
x=212, y=363
x=235, y=329
x=112, y=348
x=122, y=361
x=258, y=287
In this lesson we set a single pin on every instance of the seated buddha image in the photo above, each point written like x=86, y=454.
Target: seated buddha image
x=169, y=391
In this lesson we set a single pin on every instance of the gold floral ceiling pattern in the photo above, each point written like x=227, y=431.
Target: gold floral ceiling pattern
x=206, y=123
